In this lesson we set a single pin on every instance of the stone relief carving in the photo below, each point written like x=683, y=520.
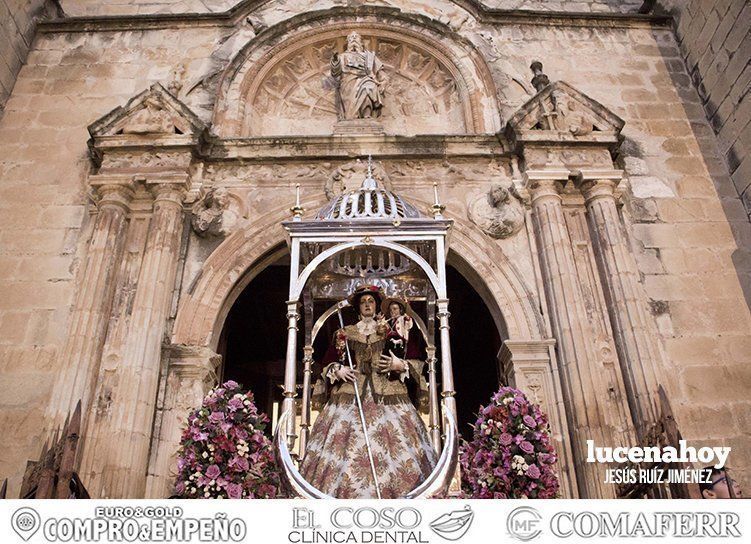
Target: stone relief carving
x=351, y=174
x=499, y=212
x=296, y=97
x=152, y=119
x=333, y=176
x=568, y=115
x=216, y=214
x=474, y=170
x=149, y=159
x=359, y=81
x=571, y=158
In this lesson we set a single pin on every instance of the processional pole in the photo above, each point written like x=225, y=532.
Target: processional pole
x=359, y=407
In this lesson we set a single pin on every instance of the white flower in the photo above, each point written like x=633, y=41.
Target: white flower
x=204, y=455
x=246, y=402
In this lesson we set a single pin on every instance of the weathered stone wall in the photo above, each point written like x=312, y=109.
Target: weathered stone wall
x=715, y=38
x=18, y=20
x=76, y=8
x=134, y=7
x=686, y=223
x=578, y=6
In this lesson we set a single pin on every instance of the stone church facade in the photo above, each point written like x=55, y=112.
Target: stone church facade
x=152, y=149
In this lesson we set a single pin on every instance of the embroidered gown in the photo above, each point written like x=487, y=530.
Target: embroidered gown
x=336, y=459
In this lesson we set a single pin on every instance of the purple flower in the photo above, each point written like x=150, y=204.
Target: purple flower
x=240, y=464
x=216, y=417
x=526, y=447
x=533, y=471
x=180, y=488
x=529, y=421
x=231, y=384
x=240, y=433
x=506, y=439
x=234, y=404
x=198, y=435
x=235, y=491
x=213, y=472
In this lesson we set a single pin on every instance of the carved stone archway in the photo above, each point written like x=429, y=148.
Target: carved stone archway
x=202, y=309
x=232, y=266
x=439, y=83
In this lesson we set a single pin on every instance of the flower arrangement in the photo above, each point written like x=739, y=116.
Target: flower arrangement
x=223, y=451
x=510, y=455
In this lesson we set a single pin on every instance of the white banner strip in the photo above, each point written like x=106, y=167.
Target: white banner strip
x=373, y=522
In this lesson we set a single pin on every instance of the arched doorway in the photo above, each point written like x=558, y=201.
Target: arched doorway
x=254, y=336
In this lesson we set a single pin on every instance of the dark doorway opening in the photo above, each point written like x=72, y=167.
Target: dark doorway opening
x=254, y=338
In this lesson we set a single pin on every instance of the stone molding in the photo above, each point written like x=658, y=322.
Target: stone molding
x=238, y=13
x=191, y=372
x=530, y=365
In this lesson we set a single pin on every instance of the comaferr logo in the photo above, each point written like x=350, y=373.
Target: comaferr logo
x=641, y=524
x=524, y=523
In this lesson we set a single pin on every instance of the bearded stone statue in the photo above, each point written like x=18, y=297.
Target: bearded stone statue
x=359, y=81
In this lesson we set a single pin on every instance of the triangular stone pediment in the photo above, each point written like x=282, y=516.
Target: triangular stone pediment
x=154, y=112
x=561, y=109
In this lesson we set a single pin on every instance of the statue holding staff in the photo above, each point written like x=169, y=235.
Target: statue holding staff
x=338, y=458
x=359, y=81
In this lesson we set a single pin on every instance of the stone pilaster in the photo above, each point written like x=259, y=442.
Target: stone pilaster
x=79, y=360
x=636, y=347
x=191, y=373
x=121, y=471
x=531, y=367
x=587, y=398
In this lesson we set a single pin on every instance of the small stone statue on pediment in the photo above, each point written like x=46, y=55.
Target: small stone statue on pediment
x=151, y=119
x=569, y=118
x=359, y=81
x=499, y=212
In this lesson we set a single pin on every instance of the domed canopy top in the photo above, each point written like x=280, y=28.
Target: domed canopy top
x=368, y=202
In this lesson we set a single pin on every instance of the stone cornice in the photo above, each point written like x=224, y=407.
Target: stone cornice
x=339, y=147
x=243, y=9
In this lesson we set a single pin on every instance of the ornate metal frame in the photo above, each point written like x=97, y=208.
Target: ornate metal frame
x=369, y=227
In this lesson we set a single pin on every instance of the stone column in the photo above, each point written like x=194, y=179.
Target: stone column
x=192, y=372
x=121, y=472
x=585, y=397
x=531, y=367
x=636, y=349
x=79, y=359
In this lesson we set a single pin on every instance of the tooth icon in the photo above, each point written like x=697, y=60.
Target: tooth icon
x=454, y=525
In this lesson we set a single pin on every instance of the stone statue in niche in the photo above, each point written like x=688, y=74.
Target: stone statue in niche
x=569, y=118
x=212, y=215
x=152, y=119
x=359, y=81
x=499, y=212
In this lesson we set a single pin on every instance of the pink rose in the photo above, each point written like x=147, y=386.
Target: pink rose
x=213, y=472
x=239, y=464
x=506, y=439
x=526, y=447
x=533, y=471
x=529, y=421
x=235, y=404
x=234, y=491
